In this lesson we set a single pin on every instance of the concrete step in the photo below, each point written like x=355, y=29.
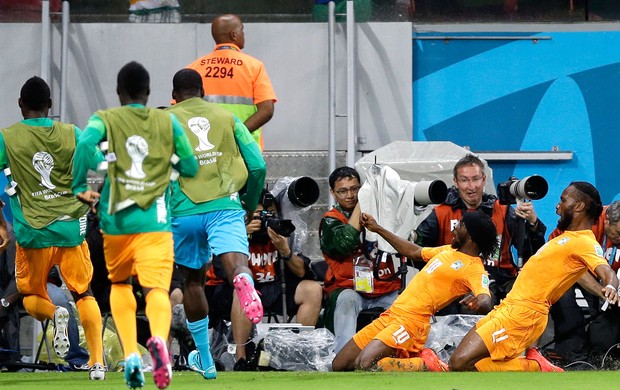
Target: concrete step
x=300, y=163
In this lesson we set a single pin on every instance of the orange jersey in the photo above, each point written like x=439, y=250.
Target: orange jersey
x=612, y=254
x=405, y=325
x=448, y=275
x=554, y=268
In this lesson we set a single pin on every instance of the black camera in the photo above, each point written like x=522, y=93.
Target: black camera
x=531, y=187
x=283, y=227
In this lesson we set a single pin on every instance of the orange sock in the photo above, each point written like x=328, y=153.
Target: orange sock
x=518, y=364
x=123, y=305
x=39, y=308
x=90, y=316
x=389, y=364
x=159, y=312
x=528, y=364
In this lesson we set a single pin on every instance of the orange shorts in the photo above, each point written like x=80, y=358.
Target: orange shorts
x=149, y=256
x=507, y=331
x=407, y=336
x=33, y=264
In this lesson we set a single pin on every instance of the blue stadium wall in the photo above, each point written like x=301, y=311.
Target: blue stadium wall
x=506, y=92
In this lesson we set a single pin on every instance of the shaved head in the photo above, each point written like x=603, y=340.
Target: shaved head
x=228, y=29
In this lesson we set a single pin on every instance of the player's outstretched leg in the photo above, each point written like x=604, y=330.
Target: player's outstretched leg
x=248, y=298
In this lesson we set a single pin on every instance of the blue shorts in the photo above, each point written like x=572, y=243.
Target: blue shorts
x=198, y=236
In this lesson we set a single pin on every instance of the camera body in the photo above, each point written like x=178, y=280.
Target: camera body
x=531, y=187
x=283, y=227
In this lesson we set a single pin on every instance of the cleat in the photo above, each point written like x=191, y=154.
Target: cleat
x=248, y=299
x=96, y=372
x=162, y=370
x=432, y=361
x=61, y=337
x=545, y=365
x=134, y=377
x=195, y=364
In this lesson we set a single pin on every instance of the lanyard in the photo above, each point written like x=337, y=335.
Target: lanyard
x=612, y=255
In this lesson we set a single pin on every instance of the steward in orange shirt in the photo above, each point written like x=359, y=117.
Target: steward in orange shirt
x=235, y=80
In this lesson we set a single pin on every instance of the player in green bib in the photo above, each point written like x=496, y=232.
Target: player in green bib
x=208, y=209
x=50, y=223
x=142, y=146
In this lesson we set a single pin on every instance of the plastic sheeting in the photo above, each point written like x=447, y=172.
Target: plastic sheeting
x=304, y=351
x=314, y=350
x=447, y=333
x=391, y=201
x=417, y=161
x=290, y=211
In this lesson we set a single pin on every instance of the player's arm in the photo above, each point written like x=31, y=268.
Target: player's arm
x=87, y=156
x=482, y=303
x=254, y=161
x=187, y=165
x=610, y=281
x=591, y=285
x=402, y=246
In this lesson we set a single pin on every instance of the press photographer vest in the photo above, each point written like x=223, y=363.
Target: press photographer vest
x=41, y=163
x=446, y=214
x=138, y=171
x=220, y=163
x=262, y=262
x=340, y=273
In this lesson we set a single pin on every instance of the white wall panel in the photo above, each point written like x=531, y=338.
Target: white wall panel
x=295, y=56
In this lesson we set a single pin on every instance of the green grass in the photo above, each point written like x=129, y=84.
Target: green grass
x=186, y=380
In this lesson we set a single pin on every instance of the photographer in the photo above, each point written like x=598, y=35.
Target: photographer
x=339, y=235
x=468, y=194
x=276, y=282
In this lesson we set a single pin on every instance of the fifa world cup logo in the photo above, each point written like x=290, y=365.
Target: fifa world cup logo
x=43, y=163
x=201, y=126
x=138, y=149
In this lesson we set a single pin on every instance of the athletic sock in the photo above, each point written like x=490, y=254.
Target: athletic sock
x=159, y=312
x=200, y=333
x=90, y=316
x=247, y=276
x=514, y=365
x=123, y=306
x=398, y=364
